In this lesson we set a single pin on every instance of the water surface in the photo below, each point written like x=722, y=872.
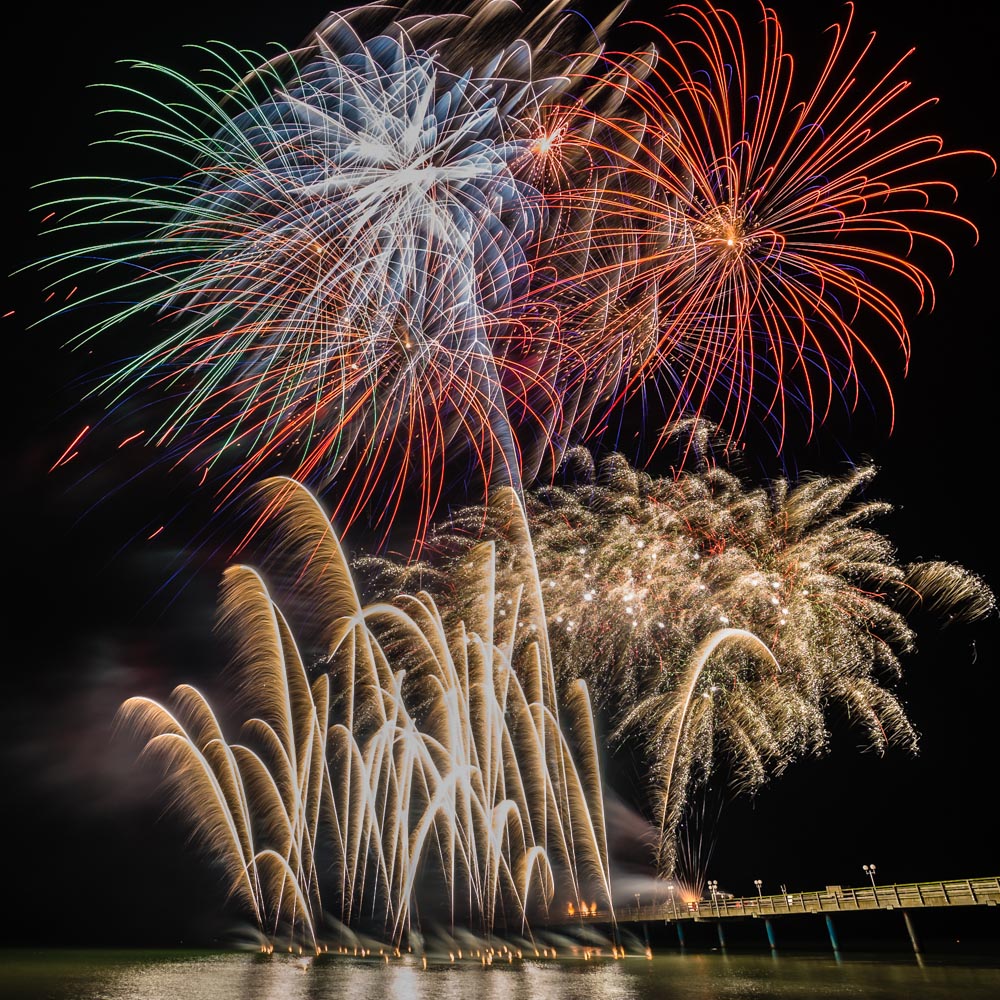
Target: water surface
x=173, y=975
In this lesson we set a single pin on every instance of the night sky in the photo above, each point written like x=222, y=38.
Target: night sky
x=95, y=615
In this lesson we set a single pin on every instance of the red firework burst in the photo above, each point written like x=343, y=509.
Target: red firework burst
x=750, y=236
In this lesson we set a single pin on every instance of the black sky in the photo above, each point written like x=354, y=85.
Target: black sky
x=90, y=857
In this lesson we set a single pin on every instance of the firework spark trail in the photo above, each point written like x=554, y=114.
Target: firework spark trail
x=751, y=230
x=333, y=267
x=716, y=621
x=420, y=240
x=427, y=746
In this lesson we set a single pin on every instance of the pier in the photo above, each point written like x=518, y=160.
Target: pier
x=833, y=900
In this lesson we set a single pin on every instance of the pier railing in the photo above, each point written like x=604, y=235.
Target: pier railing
x=832, y=899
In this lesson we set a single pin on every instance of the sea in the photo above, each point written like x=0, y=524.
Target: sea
x=134, y=974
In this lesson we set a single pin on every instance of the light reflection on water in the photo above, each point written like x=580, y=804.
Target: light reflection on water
x=105, y=975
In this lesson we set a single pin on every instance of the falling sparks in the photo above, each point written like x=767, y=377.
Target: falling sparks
x=743, y=619
x=425, y=743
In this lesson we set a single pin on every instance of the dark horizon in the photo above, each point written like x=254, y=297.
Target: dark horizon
x=96, y=857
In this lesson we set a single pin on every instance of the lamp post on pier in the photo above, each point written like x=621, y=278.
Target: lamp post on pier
x=757, y=882
x=870, y=872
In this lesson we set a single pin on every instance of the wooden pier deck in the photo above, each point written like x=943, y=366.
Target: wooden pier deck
x=831, y=900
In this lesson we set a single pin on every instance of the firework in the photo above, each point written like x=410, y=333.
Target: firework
x=424, y=249
x=751, y=227
x=716, y=621
x=330, y=271
x=427, y=248
x=424, y=748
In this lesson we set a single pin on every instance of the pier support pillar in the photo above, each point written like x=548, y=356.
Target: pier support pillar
x=680, y=933
x=722, y=937
x=771, y=939
x=833, y=934
x=908, y=920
